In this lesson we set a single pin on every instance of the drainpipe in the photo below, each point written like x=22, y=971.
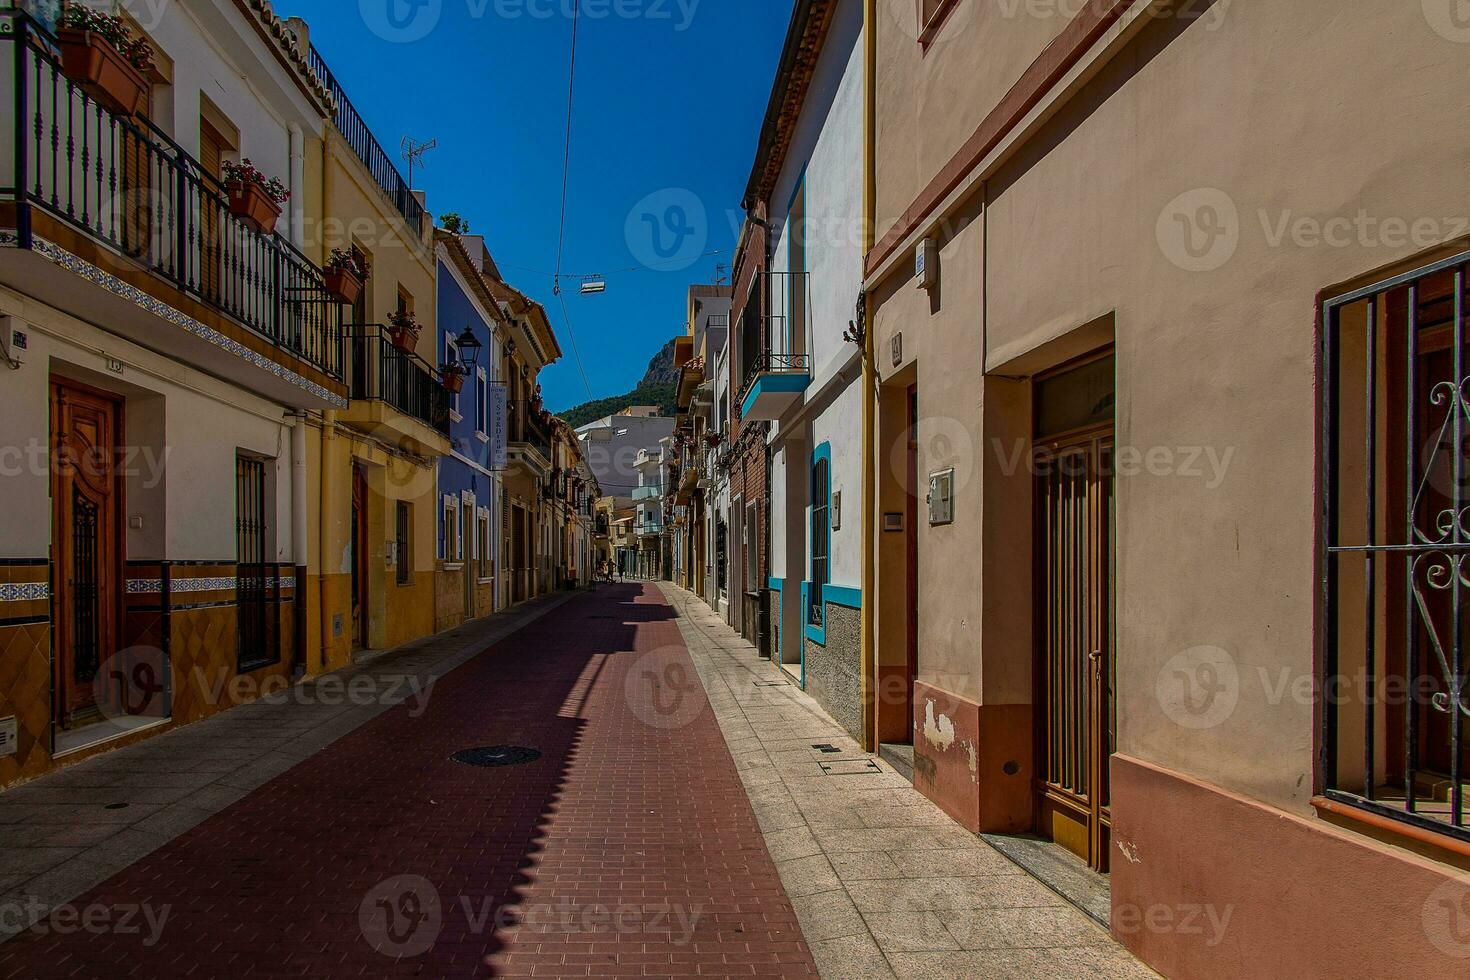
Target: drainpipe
x=299, y=530
x=298, y=183
x=870, y=382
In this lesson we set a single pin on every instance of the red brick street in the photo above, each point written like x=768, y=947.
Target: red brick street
x=627, y=848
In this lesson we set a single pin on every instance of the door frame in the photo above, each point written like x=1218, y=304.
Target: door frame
x=1094, y=439
x=59, y=589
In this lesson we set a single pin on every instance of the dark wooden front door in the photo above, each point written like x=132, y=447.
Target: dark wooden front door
x=911, y=555
x=359, y=557
x=86, y=508
x=1074, y=560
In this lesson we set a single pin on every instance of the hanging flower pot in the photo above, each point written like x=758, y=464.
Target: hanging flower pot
x=403, y=331
x=343, y=286
x=453, y=376
x=103, y=72
x=254, y=198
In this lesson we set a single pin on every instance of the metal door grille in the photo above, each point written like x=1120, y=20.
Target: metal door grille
x=253, y=579
x=85, y=589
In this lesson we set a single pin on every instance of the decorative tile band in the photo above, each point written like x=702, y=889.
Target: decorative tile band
x=154, y=586
x=131, y=293
x=24, y=591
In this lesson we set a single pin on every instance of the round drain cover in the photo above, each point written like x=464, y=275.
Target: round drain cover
x=496, y=755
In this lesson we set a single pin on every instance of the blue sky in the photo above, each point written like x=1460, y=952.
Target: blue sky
x=670, y=98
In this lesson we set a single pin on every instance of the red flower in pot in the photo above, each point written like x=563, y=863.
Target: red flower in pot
x=345, y=273
x=254, y=198
x=403, y=329
x=453, y=376
x=100, y=54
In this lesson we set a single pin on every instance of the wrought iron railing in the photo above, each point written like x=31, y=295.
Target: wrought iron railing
x=127, y=185
x=771, y=362
x=379, y=371
x=1395, y=559
x=527, y=427
x=358, y=136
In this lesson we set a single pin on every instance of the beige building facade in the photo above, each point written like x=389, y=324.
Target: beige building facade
x=1140, y=496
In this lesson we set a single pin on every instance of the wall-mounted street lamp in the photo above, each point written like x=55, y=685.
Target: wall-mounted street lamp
x=469, y=348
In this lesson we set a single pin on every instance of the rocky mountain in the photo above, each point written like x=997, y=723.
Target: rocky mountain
x=656, y=388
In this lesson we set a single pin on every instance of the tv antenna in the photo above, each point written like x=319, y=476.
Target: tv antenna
x=413, y=152
x=722, y=274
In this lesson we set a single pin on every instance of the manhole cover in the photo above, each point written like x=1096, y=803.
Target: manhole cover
x=496, y=755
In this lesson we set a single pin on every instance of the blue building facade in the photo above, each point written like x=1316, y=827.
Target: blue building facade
x=470, y=519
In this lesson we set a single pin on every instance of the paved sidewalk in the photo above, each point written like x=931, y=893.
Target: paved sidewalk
x=884, y=883
x=628, y=848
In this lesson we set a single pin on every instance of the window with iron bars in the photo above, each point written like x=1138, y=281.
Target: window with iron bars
x=1395, y=536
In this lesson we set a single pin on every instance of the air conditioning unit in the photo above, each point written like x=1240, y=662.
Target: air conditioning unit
x=15, y=339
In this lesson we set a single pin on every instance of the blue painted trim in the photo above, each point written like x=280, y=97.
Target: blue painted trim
x=843, y=595
x=774, y=584
x=817, y=634
x=786, y=382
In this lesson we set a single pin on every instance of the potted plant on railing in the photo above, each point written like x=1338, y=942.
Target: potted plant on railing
x=453, y=376
x=254, y=198
x=346, y=272
x=403, y=330
x=100, y=54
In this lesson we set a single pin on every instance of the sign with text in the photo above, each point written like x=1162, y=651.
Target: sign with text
x=499, y=430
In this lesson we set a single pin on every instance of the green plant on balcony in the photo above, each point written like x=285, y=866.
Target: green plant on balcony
x=100, y=53
x=346, y=273
x=254, y=198
x=454, y=224
x=453, y=375
x=403, y=330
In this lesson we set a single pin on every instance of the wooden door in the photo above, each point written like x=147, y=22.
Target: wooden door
x=86, y=508
x=911, y=554
x=359, y=558
x=212, y=149
x=1074, y=560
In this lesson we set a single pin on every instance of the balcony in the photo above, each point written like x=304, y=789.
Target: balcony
x=358, y=136
x=774, y=383
x=117, y=225
x=395, y=395
x=649, y=529
x=650, y=492
x=530, y=439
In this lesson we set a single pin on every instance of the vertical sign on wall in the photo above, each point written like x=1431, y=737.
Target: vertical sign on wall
x=499, y=432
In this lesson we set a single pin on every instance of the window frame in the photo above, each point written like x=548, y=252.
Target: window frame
x=819, y=544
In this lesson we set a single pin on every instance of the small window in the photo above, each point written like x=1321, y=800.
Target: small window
x=451, y=356
x=486, y=564
x=449, y=549
x=821, y=537
x=401, y=542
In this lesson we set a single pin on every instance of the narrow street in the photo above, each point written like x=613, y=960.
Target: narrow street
x=627, y=848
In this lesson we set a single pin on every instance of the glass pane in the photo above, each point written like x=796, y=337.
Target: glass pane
x=1076, y=399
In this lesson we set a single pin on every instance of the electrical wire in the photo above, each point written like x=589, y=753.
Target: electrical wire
x=566, y=173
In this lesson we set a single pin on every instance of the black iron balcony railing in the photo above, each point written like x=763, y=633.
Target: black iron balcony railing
x=772, y=362
x=358, y=136
x=526, y=426
x=127, y=185
x=379, y=371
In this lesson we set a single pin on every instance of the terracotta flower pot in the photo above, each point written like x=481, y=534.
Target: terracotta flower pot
x=404, y=339
x=453, y=382
x=252, y=205
x=343, y=285
x=100, y=69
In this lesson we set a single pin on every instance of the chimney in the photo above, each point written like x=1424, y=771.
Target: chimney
x=298, y=27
